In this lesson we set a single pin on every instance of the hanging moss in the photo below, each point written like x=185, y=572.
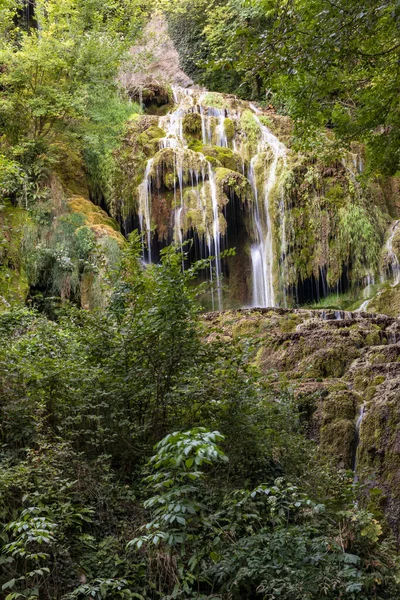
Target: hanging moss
x=233, y=182
x=167, y=161
x=330, y=226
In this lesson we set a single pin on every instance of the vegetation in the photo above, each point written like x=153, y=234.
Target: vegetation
x=321, y=62
x=148, y=451
x=233, y=502
x=61, y=115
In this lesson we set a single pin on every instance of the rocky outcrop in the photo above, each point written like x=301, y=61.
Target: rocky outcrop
x=335, y=363
x=156, y=66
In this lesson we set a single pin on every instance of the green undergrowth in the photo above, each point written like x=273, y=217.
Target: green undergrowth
x=142, y=456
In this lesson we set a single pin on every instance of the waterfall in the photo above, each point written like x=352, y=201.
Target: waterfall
x=216, y=235
x=145, y=209
x=260, y=275
x=357, y=440
x=262, y=252
x=393, y=261
x=197, y=205
x=363, y=307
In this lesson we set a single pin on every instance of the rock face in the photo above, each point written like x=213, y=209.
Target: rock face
x=336, y=363
x=60, y=250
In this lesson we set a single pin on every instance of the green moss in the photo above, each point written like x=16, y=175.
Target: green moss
x=14, y=286
x=337, y=432
x=387, y=302
x=289, y=322
x=374, y=338
x=266, y=121
x=195, y=145
x=214, y=100
x=213, y=161
x=340, y=405
x=335, y=193
x=331, y=362
x=250, y=126
x=229, y=129
x=149, y=140
x=337, y=440
x=94, y=215
x=232, y=181
x=192, y=125
x=226, y=157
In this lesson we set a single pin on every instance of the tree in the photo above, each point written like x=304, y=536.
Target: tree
x=50, y=74
x=325, y=63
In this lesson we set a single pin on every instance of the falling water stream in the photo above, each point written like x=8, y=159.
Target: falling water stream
x=262, y=252
x=391, y=270
x=393, y=261
x=357, y=440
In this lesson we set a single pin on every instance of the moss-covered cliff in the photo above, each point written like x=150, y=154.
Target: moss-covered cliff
x=334, y=363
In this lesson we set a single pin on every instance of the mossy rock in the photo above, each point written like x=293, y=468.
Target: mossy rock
x=70, y=167
x=165, y=161
x=337, y=441
x=149, y=140
x=231, y=181
x=195, y=145
x=96, y=218
x=250, y=127
x=340, y=405
x=192, y=125
x=226, y=157
x=214, y=162
x=14, y=288
x=374, y=337
x=289, y=322
x=214, y=100
x=229, y=128
x=331, y=362
x=387, y=302
x=152, y=93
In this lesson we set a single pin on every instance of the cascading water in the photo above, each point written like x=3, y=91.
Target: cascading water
x=390, y=271
x=262, y=252
x=145, y=209
x=357, y=440
x=392, y=260
x=197, y=189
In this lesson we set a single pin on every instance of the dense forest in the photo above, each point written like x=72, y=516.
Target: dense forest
x=199, y=299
